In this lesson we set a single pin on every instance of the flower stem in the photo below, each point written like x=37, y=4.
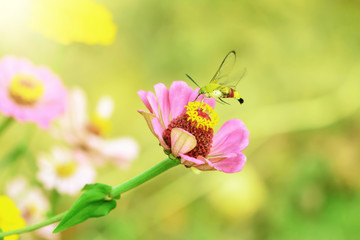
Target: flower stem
x=145, y=176
x=7, y=122
x=49, y=221
x=116, y=191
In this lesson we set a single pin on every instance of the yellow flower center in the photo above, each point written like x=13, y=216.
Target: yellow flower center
x=66, y=170
x=99, y=126
x=33, y=209
x=202, y=114
x=199, y=119
x=25, y=90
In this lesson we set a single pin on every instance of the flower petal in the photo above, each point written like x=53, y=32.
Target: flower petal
x=155, y=127
x=232, y=137
x=195, y=93
x=162, y=94
x=143, y=96
x=148, y=118
x=150, y=101
x=231, y=164
x=181, y=141
x=159, y=129
x=153, y=103
x=120, y=151
x=179, y=97
x=189, y=161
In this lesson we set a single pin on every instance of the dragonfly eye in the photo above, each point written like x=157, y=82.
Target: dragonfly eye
x=241, y=101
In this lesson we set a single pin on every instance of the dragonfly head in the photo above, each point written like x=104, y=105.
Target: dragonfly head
x=241, y=100
x=202, y=91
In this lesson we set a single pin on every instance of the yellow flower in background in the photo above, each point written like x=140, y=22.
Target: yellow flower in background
x=239, y=197
x=9, y=217
x=67, y=21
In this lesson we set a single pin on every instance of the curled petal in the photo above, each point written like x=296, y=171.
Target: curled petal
x=143, y=96
x=148, y=118
x=150, y=102
x=155, y=127
x=180, y=94
x=190, y=161
x=232, y=137
x=158, y=129
x=228, y=164
x=153, y=103
x=181, y=141
x=162, y=94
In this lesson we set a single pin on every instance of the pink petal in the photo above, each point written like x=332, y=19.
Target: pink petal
x=155, y=127
x=162, y=94
x=231, y=164
x=185, y=159
x=232, y=137
x=210, y=101
x=143, y=96
x=181, y=141
x=179, y=97
x=195, y=93
x=158, y=129
x=150, y=101
x=153, y=103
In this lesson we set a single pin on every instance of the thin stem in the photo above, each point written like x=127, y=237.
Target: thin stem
x=7, y=122
x=49, y=221
x=145, y=176
x=116, y=191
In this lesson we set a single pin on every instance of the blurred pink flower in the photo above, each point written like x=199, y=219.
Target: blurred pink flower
x=185, y=129
x=64, y=171
x=87, y=136
x=29, y=93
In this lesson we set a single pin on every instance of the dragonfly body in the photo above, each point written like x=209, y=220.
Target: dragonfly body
x=215, y=90
x=221, y=85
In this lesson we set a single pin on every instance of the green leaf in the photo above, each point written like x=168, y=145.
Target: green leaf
x=1, y=238
x=95, y=202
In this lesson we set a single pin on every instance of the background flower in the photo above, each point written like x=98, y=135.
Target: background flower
x=87, y=136
x=64, y=171
x=10, y=217
x=29, y=93
x=31, y=201
x=67, y=21
x=33, y=204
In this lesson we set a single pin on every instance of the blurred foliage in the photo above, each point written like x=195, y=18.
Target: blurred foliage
x=301, y=107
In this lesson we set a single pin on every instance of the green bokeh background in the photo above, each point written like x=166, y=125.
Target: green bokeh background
x=301, y=106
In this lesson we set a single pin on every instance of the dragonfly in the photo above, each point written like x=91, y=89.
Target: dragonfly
x=222, y=85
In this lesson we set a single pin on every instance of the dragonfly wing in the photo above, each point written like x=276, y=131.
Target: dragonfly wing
x=226, y=66
x=234, y=79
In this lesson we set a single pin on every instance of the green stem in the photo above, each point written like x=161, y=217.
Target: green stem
x=145, y=176
x=116, y=191
x=49, y=221
x=7, y=122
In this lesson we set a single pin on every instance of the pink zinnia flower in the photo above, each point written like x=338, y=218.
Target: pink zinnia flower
x=29, y=93
x=185, y=129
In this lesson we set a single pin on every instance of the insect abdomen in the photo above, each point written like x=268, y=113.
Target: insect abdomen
x=228, y=92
